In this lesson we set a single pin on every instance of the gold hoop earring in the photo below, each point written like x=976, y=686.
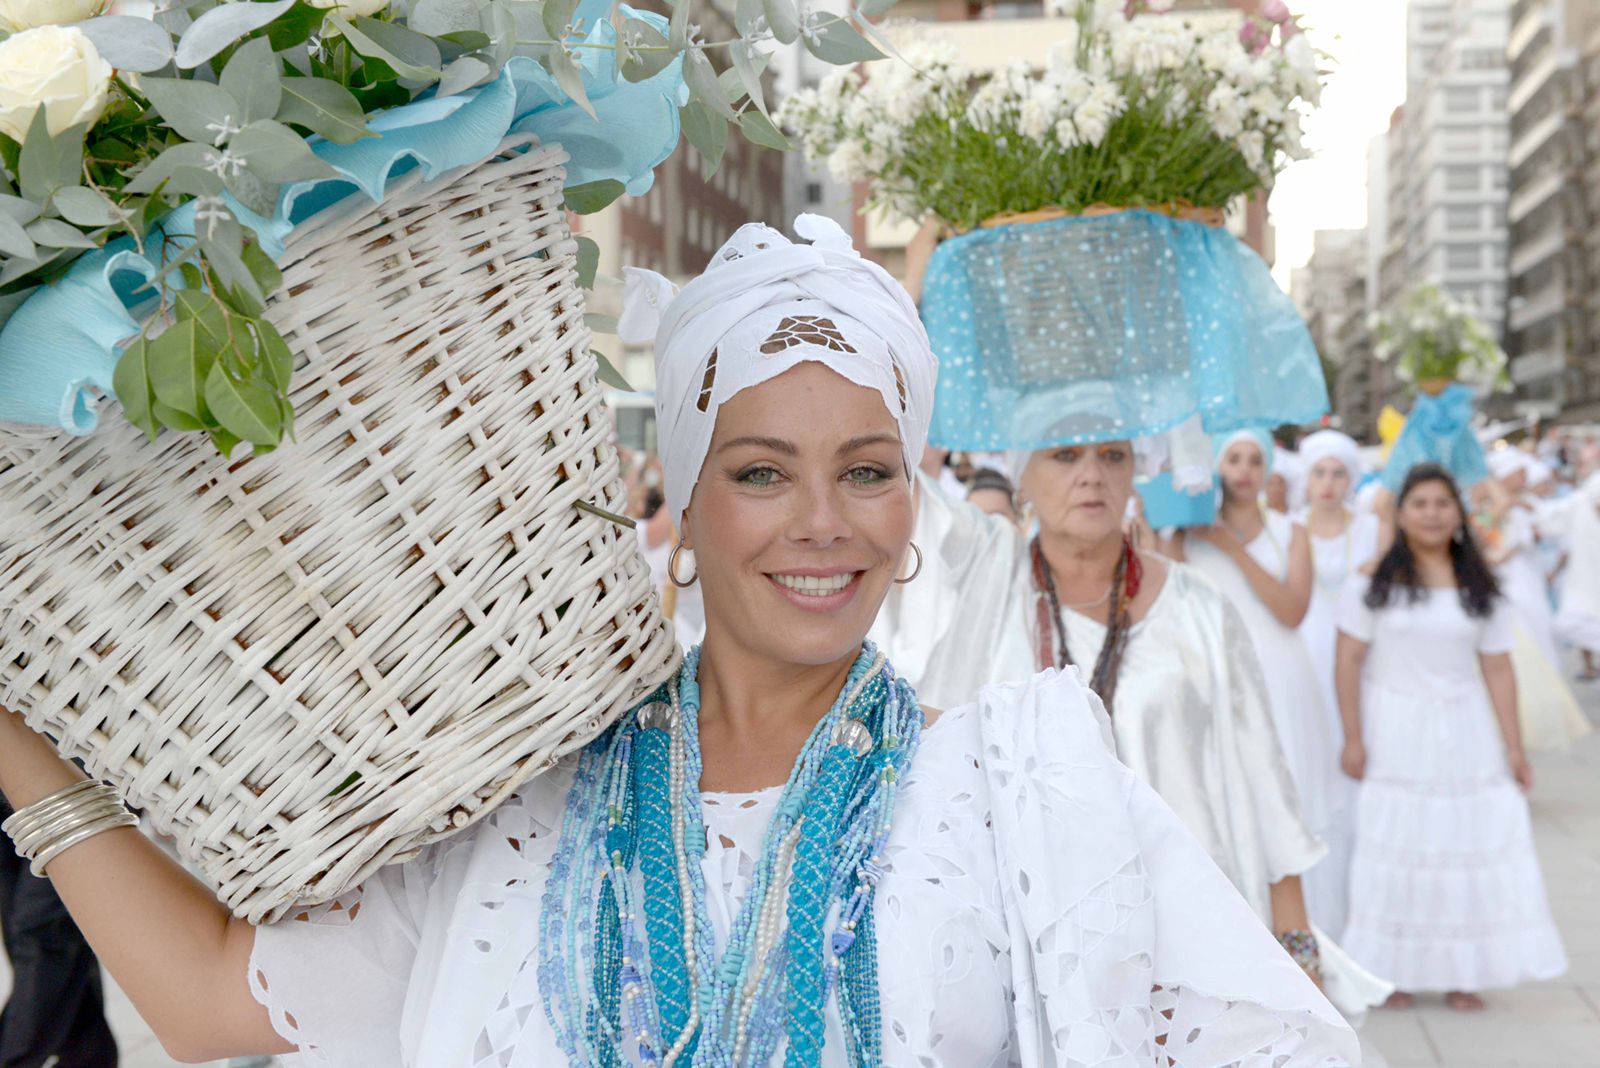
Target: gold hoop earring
x=672, y=570
x=914, y=571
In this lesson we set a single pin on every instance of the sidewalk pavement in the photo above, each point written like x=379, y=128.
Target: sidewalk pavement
x=1547, y=1025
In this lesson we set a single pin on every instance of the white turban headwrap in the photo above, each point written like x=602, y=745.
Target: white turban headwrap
x=1506, y=462
x=1331, y=444
x=760, y=308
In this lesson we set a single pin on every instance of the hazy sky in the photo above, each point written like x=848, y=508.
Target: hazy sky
x=1365, y=42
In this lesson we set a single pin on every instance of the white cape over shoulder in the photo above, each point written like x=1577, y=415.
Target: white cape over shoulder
x=1042, y=908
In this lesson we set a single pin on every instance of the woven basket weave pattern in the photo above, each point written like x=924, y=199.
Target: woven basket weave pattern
x=309, y=664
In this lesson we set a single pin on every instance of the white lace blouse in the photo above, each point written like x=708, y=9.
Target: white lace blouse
x=1042, y=908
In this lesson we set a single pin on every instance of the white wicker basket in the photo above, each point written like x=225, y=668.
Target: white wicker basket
x=310, y=664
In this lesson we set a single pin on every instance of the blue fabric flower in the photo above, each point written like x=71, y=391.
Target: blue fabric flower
x=1439, y=430
x=61, y=346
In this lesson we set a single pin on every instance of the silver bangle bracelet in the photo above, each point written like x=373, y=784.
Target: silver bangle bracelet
x=49, y=827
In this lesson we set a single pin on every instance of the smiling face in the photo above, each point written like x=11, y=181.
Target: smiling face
x=1243, y=469
x=1080, y=491
x=801, y=516
x=1328, y=482
x=1429, y=515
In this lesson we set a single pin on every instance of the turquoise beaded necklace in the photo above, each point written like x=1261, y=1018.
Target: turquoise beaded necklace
x=631, y=845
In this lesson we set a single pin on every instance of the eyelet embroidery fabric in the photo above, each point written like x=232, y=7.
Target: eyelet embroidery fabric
x=1041, y=909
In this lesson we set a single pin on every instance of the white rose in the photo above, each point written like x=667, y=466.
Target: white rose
x=352, y=7
x=56, y=68
x=19, y=15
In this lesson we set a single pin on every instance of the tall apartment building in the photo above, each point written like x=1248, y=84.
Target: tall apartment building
x=1547, y=334
x=1447, y=157
x=1335, y=307
x=1586, y=406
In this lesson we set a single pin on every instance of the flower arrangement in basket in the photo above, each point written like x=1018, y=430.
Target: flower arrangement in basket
x=1091, y=292
x=338, y=235
x=1434, y=340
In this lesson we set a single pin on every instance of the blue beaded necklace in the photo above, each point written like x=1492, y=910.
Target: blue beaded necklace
x=630, y=849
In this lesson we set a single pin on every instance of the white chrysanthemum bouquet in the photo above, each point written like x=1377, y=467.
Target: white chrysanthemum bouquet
x=1434, y=339
x=1138, y=107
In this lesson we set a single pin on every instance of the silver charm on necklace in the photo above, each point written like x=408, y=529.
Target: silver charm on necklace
x=854, y=736
x=659, y=716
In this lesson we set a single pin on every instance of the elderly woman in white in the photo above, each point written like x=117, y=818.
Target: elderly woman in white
x=780, y=856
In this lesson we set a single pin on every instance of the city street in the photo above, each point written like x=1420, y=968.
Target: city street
x=1551, y=1025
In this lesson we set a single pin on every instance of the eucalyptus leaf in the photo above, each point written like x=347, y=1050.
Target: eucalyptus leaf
x=14, y=240
x=750, y=65
x=20, y=209
x=12, y=270
x=590, y=197
x=201, y=112
x=609, y=374
x=600, y=323
x=646, y=64
x=182, y=156
x=588, y=262
x=223, y=25
x=836, y=41
x=131, y=381
x=758, y=129
x=128, y=43
x=569, y=75
x=179, y=361
x=439, y=17
x=53, y=233
x=244, y=407
x=411, y=54
x=500, y=24
x=462, y=74
x=678, y=25
x=875, y=8
x=707, y=131
x=749, y=18
x=251, y=77
x=701, y=77
x=277, y=154
x=49, y=162
x=557, y=17
x=783, y=19
x=325, y=108
x=10, y=302
x=253, y=191
x=84, y=206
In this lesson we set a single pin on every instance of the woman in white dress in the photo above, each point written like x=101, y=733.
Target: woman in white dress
x=1341, y=541
x=779, y=857
x=1261, y=560
x=1445, y=888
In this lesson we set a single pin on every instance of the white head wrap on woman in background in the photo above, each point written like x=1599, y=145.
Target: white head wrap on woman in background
x=1505, y=462
x=1257, y=437
x=764, y=305
x=1331, y=444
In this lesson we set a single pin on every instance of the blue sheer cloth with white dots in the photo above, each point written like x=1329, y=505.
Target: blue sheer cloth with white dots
x=1109, y=327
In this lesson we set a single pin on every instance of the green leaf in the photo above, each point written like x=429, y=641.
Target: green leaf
x=747, y=18
x=49, y=162
x=758, y=129
x=875, y=8
x=588, y=262
x=276, y=154
x=410, y=53
x=210, y=315
x=179, y=157
x=325, y=108
x=171, y=417
x=609, y=374
x=836, y=41
x=750, y=65
x=439, y=17
x=224, y=441
x=569, y=75
x=701, y=78
x=199, y=111
x=224, y=24
x=179, y=361
x=592, y=196
x=129, y=43
x=19, y=209
x=262, y=269
x=294, y=28
x=454, y=45
x=277, y=359
x=678, y=25
x=131, y=380
x=600, y=323
x=707, y=132
x=244, y=407
x=462, y=74
x=253, y=191
x=558, y=16
x=782, y=19
x=14, y=240
x=53, y=233
x=85, y=207
x=643, y=65
x=251, y=77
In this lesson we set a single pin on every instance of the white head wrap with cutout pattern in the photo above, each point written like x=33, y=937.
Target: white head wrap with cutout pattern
x=764, y=305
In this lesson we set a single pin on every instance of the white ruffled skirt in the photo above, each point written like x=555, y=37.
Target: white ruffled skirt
x=1445, y=887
